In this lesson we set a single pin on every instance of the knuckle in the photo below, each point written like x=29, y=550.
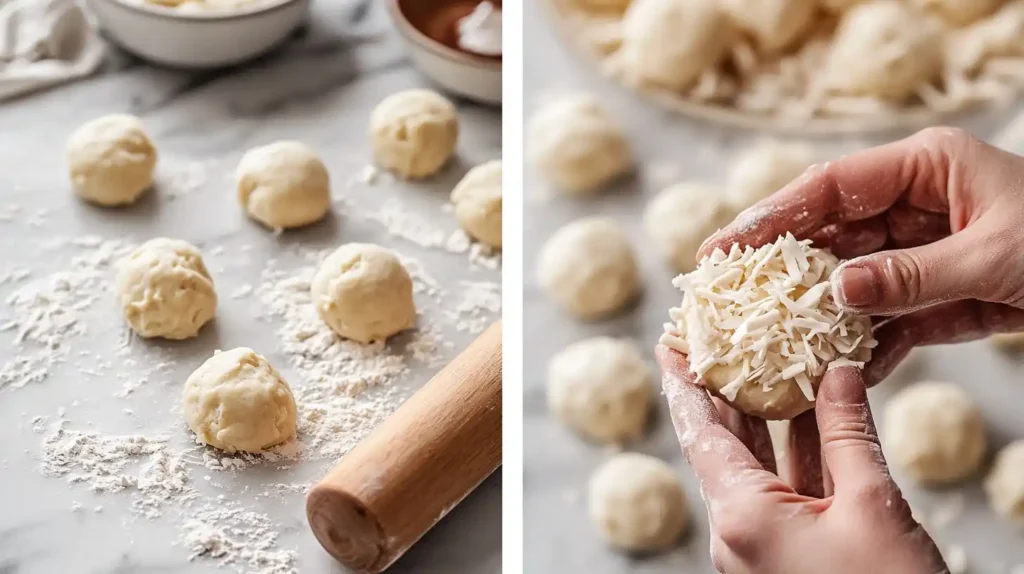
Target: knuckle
x=850, y=430
x=737, y=526
x=878, y=493
x=946, y=135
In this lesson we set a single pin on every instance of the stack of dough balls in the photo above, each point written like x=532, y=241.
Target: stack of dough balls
x=111, y=160
x=236, y=401
x=413, y=133
x=283, y=185
x=165, y=289
x=477, y=201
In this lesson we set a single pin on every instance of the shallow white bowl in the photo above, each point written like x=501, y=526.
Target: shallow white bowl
x=473, y=77
x=185, y=39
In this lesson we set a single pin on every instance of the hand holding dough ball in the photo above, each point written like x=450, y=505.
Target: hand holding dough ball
x=669, y=43
x=681, y=217
x=477, y=200
x=601, y=388
x=363, y=293
x=165, y=289
x=1005, y=483
x=236, y=401
x=935, y=432
x=283, y=185
x=111, y=160
x=774, y=24
x=577, y=144
x=959, y=12
x=637, y=503
x=588, y=268
x=764, y=169
x=413, y=133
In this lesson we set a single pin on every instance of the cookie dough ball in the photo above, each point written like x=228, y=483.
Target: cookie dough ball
x=601, y=388
x=669, y=43
x=774, y=24
x=165, y=289
x=638, y=503
x=681, y=217
x=588, y=268
x=1005, y=483
x=959, y=12
x=111, y=160
x=477, y=200
x=237, y=401
x=935, y=432
x=363, y=293
x=764, y=169
x=413, y=133
x=884, y=49
x=577, y=144
x=283, y=185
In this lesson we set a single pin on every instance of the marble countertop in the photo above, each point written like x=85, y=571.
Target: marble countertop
x=558, y=534
x=319, y=88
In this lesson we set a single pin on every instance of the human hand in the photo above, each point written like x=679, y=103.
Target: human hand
x=850, y=518
x=934, y=224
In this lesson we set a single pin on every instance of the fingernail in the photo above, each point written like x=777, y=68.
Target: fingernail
x=857, y=287
x=845, y=386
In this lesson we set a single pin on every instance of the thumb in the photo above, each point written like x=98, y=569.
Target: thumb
x=849, y=440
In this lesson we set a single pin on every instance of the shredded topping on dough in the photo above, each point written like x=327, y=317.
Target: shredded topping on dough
x=768, y=311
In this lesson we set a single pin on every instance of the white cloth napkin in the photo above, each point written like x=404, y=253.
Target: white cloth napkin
x=44, y=43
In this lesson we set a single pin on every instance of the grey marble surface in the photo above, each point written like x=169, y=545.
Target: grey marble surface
x=558, y=535
x=319, y=88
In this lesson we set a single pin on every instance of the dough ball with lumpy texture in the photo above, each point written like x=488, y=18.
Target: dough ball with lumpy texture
x=638, y=503
x=959, y=12
x=935, y=432
x=883, y=49
x=1005, y=482
x=283, y=185
x=681, y=217
x=363, y=293
x=165, y=290
x=669, y=43
x=477, y=200
x=111, y=160
x=413, y=133
x=236, y=401
x=764, y=169
x=601, y=388
x=588, y=268
x=774, y=24
x=577, y=144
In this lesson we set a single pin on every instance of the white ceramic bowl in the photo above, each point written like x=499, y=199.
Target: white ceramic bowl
x=473, y=77
x=193, y=39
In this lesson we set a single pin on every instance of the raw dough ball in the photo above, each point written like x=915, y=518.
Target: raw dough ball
x=669, y=43
x=577, y=144
x=1005, y=483
x=1008, y=342
x=935, y=432
x=764, y=169
x=413, y=133
x=588, y=267
x=477, y=200
x=884, y=49
x=638, y=503
x=601, y=388
x=681, y=217
x=774, y=24
x=237, y=401
x=363, y=293
x=165, y=290
x=111, y=160
x=283, y=185
x=959, y=12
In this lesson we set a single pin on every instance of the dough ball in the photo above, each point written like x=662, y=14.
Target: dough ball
x=363, y=293
x=165, y=289
x=638, y=504
x=681, y=217
x=600, y=388
x=237, y=401
x=935, y=432
x=883, y=49
x=413, y=133
x=1005, y=483
x=283, y=185
x=111, y=160
x=588, y=268
x=669, y=43
x=477, y=200
x=774, y=24
x=577, y=144
x=959, y=12
x=764, y=169
x=1008, y=342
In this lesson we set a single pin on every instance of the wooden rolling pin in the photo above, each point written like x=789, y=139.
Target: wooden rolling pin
x=399, y=481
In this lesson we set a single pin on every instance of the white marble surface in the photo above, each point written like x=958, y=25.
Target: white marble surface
x=558, y=535
x=319, y=89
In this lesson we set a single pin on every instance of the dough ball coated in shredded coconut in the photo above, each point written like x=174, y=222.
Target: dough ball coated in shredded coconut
x=774, y=24
x=959, y=12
